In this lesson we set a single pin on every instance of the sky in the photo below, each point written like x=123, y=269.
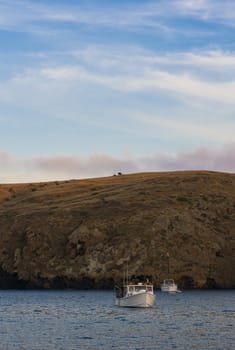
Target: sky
x=90, y=88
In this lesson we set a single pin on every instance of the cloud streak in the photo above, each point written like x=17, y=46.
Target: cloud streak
x=5, y=158
x=194, y=127
x=26, y=15
x=200, y=159
x=150, y=79
x=63, y=167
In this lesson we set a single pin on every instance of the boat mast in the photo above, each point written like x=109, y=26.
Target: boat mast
x=168, y=264
x=125, y=277
x=127, y=273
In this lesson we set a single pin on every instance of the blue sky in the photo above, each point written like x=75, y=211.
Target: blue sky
x=89, y=88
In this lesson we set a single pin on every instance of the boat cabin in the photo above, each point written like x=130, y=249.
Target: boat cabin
x=168, y=282
x=131, y=289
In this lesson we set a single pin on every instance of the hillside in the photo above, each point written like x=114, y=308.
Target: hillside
x=82, y=233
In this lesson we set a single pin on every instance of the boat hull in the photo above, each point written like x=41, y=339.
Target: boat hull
x=137, y=300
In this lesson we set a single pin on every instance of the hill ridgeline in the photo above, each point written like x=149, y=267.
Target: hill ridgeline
x=84, y=233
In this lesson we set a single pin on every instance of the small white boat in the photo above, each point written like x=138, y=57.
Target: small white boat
x=169, y=286
x=135, y=295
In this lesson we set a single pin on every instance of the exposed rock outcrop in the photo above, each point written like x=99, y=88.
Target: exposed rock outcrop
x=83, y=233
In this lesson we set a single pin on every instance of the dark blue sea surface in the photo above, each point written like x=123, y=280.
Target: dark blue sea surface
x=85, y=320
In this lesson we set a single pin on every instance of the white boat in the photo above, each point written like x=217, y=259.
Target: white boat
x=135, y=295
x=169, y=286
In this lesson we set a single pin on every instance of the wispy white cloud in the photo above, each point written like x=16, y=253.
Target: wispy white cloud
x=192, y=6
x=194, y=127
x=135, y=59
x=95, y=62
x=16, y=13
x=150, y=79
x=23, y=15
x=209, y=10
x=211, y=60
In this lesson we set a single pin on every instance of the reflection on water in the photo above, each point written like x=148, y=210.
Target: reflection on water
x=89, y=320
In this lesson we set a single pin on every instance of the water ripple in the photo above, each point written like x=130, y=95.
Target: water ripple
x=67, y=320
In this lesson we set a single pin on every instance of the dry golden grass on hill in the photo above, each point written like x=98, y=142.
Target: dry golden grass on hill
x=82, y=233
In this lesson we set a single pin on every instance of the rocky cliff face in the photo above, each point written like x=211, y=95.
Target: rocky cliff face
x=83, y=233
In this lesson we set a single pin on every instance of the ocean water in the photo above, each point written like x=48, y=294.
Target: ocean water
x=66, y=320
